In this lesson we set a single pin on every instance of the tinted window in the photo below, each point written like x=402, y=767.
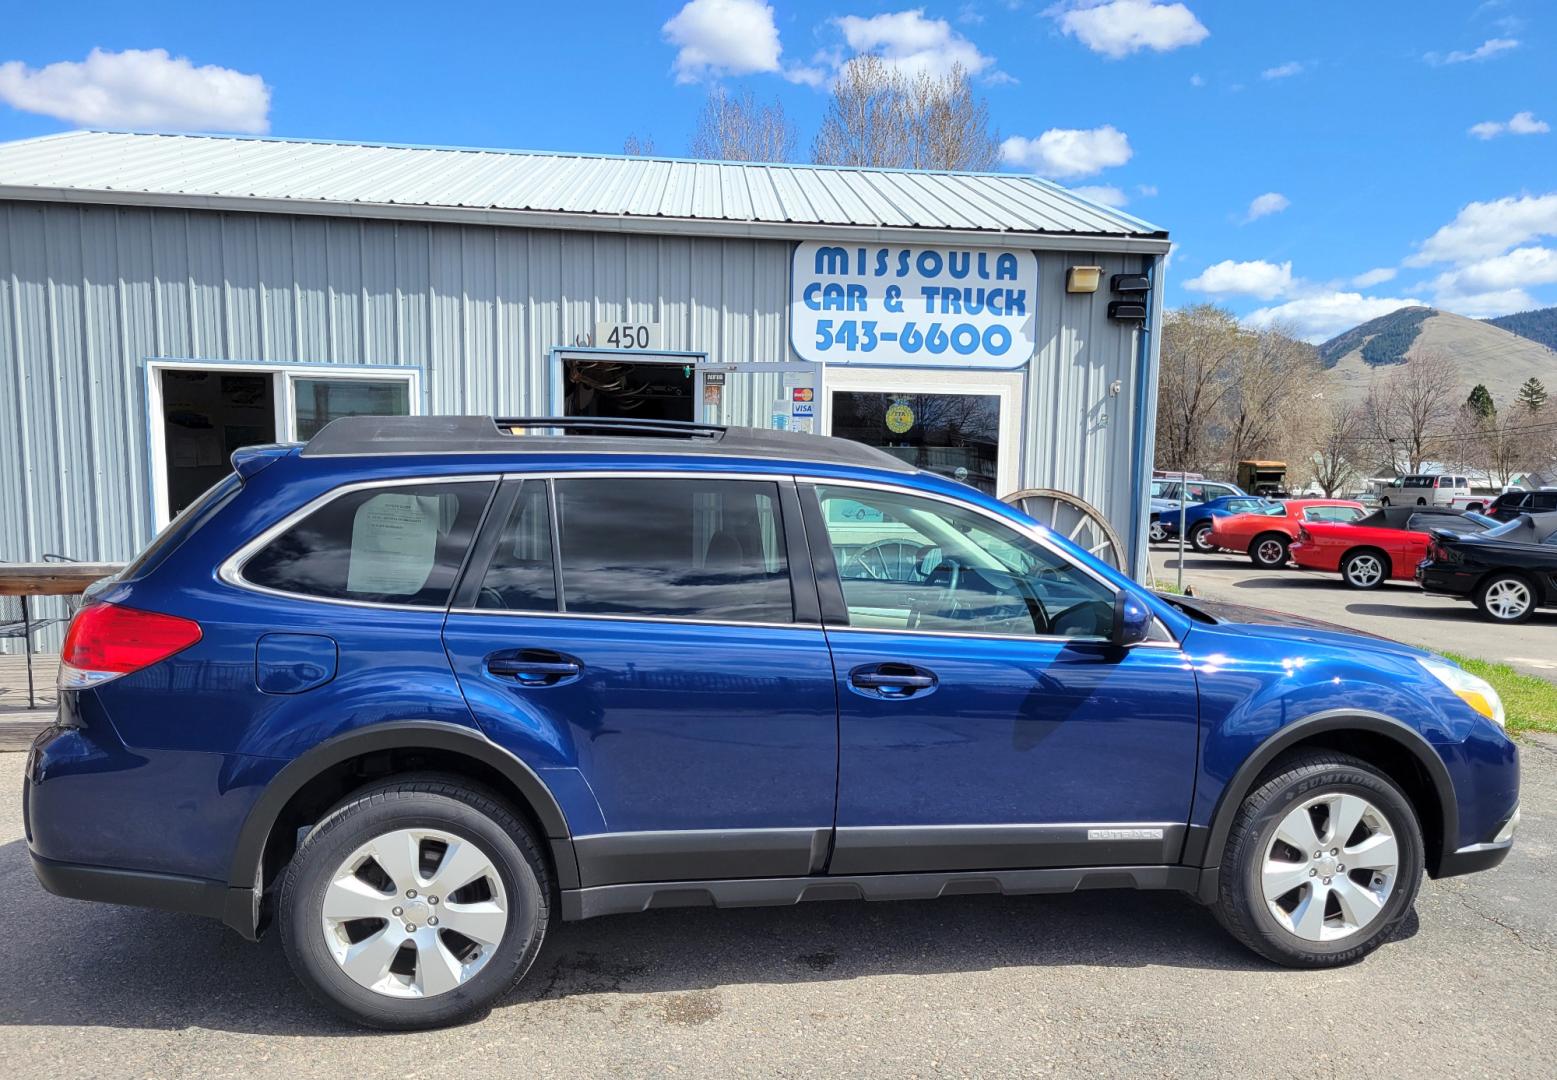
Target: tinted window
x=390, y=545
x=1423, y=522
x=706, y=549
x=1331, y=513
x=521, y=575
x=1419, y=482
x=911, y=563
x=1544, y=500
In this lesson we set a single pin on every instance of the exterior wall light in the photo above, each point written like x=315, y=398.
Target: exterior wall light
x=1083, y=279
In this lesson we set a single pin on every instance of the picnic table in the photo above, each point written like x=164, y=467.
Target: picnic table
x=51, y=577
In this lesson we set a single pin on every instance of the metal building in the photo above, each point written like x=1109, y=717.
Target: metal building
x=167, y=298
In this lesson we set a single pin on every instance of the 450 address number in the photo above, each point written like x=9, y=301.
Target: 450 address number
x=861, y=335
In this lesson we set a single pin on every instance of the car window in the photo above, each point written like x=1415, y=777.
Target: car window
x=1216, y=491
x=673, y=547
x=1245, y=506
x=1331, y=513
x=1424, y=522
x=916, y=563
x=400, y=544
x=1544, y=500
x=522, y=575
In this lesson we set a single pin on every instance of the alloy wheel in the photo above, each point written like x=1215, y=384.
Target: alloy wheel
x=1508, y=598
x=415, y=913
x=1365, y=571
x=1330, y=867
x=1271, y=552
x=1157, y=533
x=1201, y=539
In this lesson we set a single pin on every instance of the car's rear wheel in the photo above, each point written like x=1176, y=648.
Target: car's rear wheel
x=1268, y=551
x=1200, y=537
x=1322, y=863
x=1156, y=532
x=1365, y=569
x=415, y=904
x=1506, y=598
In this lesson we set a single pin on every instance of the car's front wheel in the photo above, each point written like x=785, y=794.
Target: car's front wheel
x=1506, y=598
x=415, y=904
x=1156, y=532
x=1322, y=863
x=1200, y=537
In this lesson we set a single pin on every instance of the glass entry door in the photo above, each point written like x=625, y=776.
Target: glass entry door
x=958, y=424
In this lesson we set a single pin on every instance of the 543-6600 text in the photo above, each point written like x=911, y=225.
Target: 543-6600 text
x=862, y=335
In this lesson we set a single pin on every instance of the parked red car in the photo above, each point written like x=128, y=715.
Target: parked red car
x=1386, y=544
x=1266, y=534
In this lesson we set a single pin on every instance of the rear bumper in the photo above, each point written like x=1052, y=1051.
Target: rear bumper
x=136, y=888
x=1443, y=582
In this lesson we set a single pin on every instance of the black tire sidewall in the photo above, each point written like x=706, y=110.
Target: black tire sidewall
x=1254, y=553
x=1195, y=537
x=1251, y=845
x=357, y=822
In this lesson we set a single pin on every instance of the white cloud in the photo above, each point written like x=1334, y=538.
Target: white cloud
x=140, y=88
x=1521, y=123
x=1319, y=316
x=1117, y=28
x=1488, y=305
x=1197, y=80
x=1377, y=276
x=1483, y=229
x=1290, y=68
x=1146, y=191
x=1106, y=194
x=1062, y=152
x=1265, y=280
x=730, y=37
x=1272, y=202
x=1486, y=50
x=1520, y=268
x=912, y=43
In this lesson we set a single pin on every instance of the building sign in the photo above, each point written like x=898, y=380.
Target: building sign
x=914, y=306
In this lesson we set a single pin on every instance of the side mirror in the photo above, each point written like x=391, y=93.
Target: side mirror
x=1132, y=620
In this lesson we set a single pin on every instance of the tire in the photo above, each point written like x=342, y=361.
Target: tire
x=1357, y=909
x=1200, y=538
x=1365, y=568
x=1156, y=533
x=1421, y=502
x=1500, y=596
x=515, y=881
x=1268, y=551
x=1384, y=501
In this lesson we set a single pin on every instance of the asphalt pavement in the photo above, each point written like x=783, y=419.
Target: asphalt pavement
x=1090, y=984
x=1396, y=609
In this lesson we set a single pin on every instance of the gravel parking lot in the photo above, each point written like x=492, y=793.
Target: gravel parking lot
x=1089, y=984
x=1397, y=609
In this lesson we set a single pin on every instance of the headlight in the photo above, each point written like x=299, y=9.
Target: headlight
x=1471, y=689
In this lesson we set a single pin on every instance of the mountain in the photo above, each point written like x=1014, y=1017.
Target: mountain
x=1538, y=325
x=1483, y=351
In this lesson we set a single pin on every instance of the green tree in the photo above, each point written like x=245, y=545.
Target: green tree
x=1532, y=395
x=1480, y=402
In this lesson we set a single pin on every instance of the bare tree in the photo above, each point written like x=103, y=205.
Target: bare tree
x=1411, y=410
x=1338, y=451
x=1269, y=387
x=633, y=146
x=880, y=117
x=740, y=129
x=1200, y=346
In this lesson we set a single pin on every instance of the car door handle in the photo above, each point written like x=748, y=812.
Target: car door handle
x=534, y=671
x=891, y=680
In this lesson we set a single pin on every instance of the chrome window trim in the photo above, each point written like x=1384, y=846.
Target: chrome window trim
x=230, y=571
x=684, y=620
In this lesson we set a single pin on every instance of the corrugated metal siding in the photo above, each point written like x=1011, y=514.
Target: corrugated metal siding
x=194, y=166
x=90, y=292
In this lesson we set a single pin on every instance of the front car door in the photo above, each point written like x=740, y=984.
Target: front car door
x=658, y=634
x=985, y=722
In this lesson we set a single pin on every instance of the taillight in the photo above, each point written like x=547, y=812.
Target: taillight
x=1303, y=537
x=106, y=641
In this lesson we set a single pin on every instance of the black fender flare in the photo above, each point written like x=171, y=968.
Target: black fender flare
x=243, y=885
x=1205, y=845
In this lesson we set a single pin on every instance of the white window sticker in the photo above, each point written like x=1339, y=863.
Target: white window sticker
x=394, y=540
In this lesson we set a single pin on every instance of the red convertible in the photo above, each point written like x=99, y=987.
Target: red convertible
x=1386, y=544
x=1266, y=534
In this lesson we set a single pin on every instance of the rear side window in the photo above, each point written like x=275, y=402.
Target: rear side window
x=673, y=547
x=389, y=545
x=1332, y=513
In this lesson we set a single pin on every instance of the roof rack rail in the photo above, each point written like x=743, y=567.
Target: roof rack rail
x=613, y=425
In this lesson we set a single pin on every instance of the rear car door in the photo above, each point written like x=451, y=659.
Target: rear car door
x=985, y=722
x=659, y=635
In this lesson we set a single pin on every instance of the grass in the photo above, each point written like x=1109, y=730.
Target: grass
x=1531, y=703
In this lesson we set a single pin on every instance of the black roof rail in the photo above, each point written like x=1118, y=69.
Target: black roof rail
x=614, y=425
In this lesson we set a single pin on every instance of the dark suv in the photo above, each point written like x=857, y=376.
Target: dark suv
x=418, y=688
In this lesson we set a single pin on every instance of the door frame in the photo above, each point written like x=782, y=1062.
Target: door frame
x=282, y=373
x=1008, y=386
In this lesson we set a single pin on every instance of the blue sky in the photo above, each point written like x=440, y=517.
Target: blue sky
x=1317, y=162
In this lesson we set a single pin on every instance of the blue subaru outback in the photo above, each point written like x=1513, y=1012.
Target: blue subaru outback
x=418, y=688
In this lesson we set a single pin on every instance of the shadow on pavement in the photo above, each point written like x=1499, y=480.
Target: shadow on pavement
x=77, y=963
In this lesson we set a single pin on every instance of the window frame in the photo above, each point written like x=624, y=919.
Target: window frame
x=835, y=610
x=802, y=582
x=231, y=570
